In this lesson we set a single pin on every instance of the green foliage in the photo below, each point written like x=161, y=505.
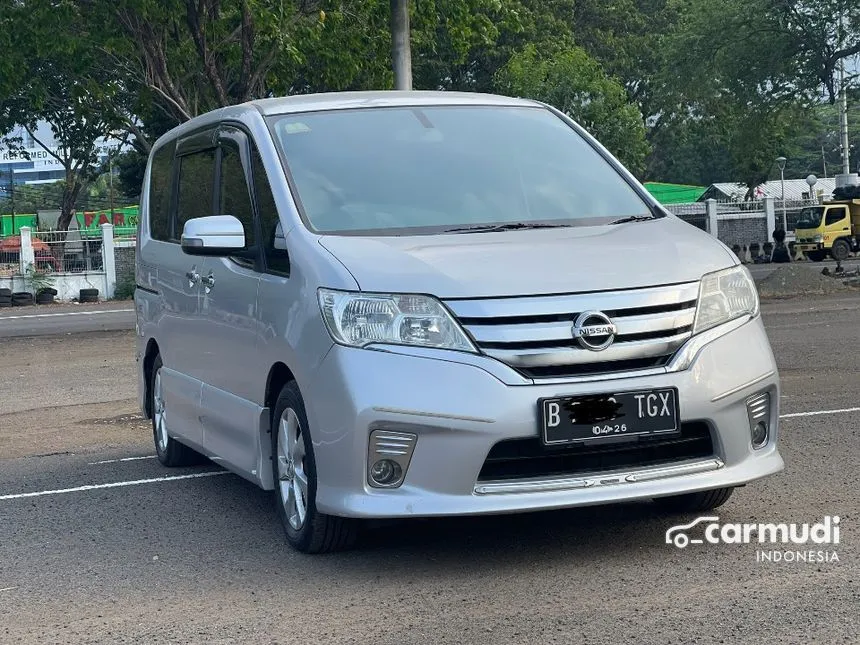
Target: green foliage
x=36, y=280
x=575, y=83
x=125, y=287
x=690, y=91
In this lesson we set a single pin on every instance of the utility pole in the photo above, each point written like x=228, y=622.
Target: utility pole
x=110, y=173
x=401, y=51
x=843, y=108
x=843, y=119
x=824, y=160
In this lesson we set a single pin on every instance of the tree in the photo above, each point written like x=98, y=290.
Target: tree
x=192, y=56
x=55, y=74
x=575, y=83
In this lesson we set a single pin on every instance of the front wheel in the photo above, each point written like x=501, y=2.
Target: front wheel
x=700, y=502
x=169, y=451
x=295, y=475
x=840, y=251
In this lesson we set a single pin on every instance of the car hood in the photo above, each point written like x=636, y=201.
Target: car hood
x=531, y=262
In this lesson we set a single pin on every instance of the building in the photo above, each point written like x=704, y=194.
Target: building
x=795, y=190
x=37, y=166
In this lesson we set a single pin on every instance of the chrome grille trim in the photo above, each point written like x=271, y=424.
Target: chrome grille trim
x=547, y=485
x=534, y=334
x=558, y=331
x=618, y=351
x=605, y=301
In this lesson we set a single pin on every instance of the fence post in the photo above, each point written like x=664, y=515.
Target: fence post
x=711, y=210
x=770, y=214
x=108, y=260
x=26, y=257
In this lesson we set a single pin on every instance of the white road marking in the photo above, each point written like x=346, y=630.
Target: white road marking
x=68, y=313
x=114, y=461
x=815, y=413
x=8, y=588
x=136, y=482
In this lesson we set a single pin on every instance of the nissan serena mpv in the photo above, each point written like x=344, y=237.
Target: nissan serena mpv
x=409, y=304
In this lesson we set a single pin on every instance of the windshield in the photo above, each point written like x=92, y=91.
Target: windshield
x=404, y=171
x=810, y=217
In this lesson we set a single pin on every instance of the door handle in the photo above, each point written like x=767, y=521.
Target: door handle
x=208, y=282
x=193, y=277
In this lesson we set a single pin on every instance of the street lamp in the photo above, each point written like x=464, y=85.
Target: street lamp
x=781, y=162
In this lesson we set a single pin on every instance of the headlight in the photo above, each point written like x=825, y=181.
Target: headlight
x=818, y=239
x=359, y=319
x=724, y=296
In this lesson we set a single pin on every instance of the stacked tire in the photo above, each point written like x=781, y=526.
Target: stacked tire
x=88, y=295
x=22, y=299
x=5, y=297
x=46, y=296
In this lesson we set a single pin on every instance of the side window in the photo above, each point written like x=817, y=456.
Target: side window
x=235, y=197
x=274, y=243
x=160, y=187
x=196, y=174
x=834, y=215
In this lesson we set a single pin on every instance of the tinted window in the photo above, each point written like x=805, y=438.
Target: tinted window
x=410, y=170
x=196, y=174
x=834, y=215
x=277, y=260
x=235, y=197
x=161, y=176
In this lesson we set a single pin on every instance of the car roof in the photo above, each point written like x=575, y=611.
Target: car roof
x=388, y=98
x=300, y=103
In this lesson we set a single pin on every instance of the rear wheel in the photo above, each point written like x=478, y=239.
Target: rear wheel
x=700, y=502
x=170, y=452
x=841, y=250
x=295, y=479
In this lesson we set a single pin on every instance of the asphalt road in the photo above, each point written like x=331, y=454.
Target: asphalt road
x=66, y=319
x=203, y=560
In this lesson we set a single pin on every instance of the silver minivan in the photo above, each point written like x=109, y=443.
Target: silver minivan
x=409, y=304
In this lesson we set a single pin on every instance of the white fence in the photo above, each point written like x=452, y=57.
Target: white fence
x=743, y=223
x=69, y=264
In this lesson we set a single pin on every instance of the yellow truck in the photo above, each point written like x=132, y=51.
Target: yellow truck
x=833, y=228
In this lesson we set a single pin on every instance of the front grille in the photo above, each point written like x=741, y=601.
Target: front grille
x=514, y=459
x=534, y=334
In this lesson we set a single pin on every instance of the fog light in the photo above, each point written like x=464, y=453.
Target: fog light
x=759, y=434
x=386, y=472
x=388, y=457
x=758, y=411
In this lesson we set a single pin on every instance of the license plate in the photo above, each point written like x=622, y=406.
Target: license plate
x=572, y=419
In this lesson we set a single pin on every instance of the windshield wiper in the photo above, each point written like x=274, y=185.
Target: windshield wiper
x=492, y=228
x=633, y=218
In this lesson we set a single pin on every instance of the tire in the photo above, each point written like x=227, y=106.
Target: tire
x=840, y=250
x=6, y=303
x=22, y=299
x=315, y=532
x=44, y=299
x=815, y=256
x=50, y=290
x=5, y=292
x=705, y=500
x=88, y=295
x=170, y=452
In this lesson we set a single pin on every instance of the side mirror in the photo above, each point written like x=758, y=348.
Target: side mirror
x=214, y=235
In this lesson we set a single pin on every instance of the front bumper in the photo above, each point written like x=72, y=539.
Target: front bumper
x=806, y=247
x=460, y=411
